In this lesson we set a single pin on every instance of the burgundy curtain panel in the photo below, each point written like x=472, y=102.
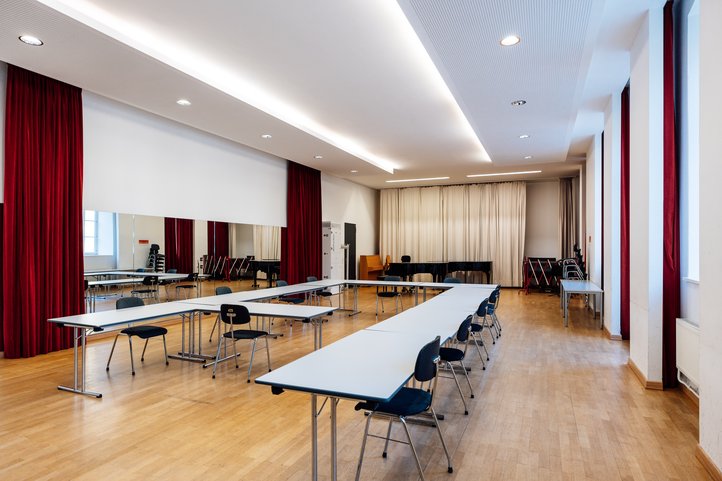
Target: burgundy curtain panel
x=624, y=228
x=2, y=208
x=43, y=218
x=301, y=238
x=218, y=239
x=671, y=254
x=179, y=244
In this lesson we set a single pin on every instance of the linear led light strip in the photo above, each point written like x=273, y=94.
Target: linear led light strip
x=505, y=173
x=416, y=180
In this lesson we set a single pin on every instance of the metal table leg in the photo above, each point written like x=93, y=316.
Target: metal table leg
x=75, y=389
x=314, y=438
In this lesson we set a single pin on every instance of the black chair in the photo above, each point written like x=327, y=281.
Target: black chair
x=288, y=299
x=317, y=295
x=143, y=332
x=389, y=293
x=457, y=355
x=220, y=290
x=149, y=289
x=408, y=401
x=406, y=258
x=491, y=309
x=452, y=280
x=477, y=330
x=234, y=315
x=185, y=288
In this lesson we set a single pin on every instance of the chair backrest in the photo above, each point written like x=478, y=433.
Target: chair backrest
x=311, y=279
x=126, y=302
x=223, y=290
x=492, y=297
x=171, y=271
x=193, y=276
x=425, y=369
x=481, y=310
x=452, y=280
x=405, y=258
x=393, y=278
x=235, y=314
x=462, y=335
x=150, y=280
x=280, y=283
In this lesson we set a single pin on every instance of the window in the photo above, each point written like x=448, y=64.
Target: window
x=99, y=233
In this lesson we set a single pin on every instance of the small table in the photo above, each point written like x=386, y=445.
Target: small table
x=569, y=287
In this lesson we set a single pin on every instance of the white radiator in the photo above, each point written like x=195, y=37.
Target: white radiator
x=688, y=354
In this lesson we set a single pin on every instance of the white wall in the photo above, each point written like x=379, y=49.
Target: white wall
x=645, y=204
x=241, y=240
x=131, y=229
x=344, y=201
x=542, y=219
x=593, y=204
x=710, y=414
x=143, y=164
x=200, y=241
x=612, y=215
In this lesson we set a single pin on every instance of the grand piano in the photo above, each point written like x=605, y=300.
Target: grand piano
x=439, y=270
x=271, y=267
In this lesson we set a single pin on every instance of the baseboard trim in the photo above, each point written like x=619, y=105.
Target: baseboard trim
x=690, y=396
x=708, y=464
x=653, y=385
x=613, y=337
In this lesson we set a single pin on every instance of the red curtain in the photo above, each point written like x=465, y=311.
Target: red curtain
x=2, y=208
x=179, y=244
x=624, y=228
x=218, y=239
x=43, y=218
x=671, y=257
x=301, y=238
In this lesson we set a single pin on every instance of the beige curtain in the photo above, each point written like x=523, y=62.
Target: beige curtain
x=267, y=242
x=457, y=223
x=567, y=218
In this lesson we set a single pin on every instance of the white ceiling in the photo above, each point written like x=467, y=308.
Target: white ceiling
x=350, y=80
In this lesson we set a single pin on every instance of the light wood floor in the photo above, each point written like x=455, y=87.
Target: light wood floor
x=554, y=404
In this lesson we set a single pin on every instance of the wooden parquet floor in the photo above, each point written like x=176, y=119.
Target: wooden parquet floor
x=553, y=404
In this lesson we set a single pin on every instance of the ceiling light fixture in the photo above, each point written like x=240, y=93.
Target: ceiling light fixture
x=266, y=136
x=416, y=180
x=30, y=40
x=504, y=173
x=510, y=40
x=527, y=157
x=318, y=156
x=354, y=171
x=518, y=103
x=524, y=136
x=183, y=102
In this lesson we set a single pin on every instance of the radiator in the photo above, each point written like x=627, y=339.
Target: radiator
x=688, y=354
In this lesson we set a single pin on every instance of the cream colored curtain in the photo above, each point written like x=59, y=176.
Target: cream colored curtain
x=267, y=242
x=458, y=223
x=567, y=218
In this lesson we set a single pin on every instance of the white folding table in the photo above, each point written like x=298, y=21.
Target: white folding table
x=569, y=287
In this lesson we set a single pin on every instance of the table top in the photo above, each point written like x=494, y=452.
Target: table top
x=366, y=365
x=575, y=286
x=101, y=320
x=114, y=282
x=161, y=275
x=271, y=310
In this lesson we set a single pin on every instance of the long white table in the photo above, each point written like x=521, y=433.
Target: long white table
x=375, y=363
x=569, y=287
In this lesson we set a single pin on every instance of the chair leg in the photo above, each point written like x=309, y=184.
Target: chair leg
x=250, y=363
x=132, y=365
x=471, y=389
x=413, y=448
x=165, y=350
x=483, y=364
x=268, y=354
x=112, y=349
x=215, y=324
x=388, y=437
x=142, y=356
x=235, y=353
x=363, y=447
x=218, y=356
x=458, y=386
x=441, y=436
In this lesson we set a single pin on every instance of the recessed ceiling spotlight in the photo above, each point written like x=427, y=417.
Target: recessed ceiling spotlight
x=183, y=102
x=524, y=136
x=510, y=40
x=266, y=136
x=504, y=173
x=354, y=171
x=518, y=103
x=318, y=156
x=30, y=40
x=416, y=180
x=527, y=157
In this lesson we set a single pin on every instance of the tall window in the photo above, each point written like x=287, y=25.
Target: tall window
x=99, y=233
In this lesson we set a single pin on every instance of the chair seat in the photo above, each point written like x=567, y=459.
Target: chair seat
x=407, y=402
x=244, y=334
x=145, y=332
x=142, y=291
x=387, y=294
x=292, y=300
x=476, y=327
x=186, y=286
x=451, y=354
x=325, y=293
